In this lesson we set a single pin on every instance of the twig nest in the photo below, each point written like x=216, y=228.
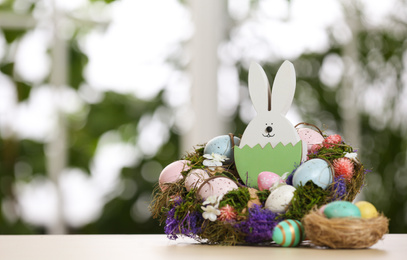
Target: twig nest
x=344, y=232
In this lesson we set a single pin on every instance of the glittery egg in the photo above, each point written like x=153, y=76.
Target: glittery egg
x=172, y=172
x=222, y=145
x=288, y=233
x=341, y=209
x=279, y=198
x=316, y=170
x=216, y=187
x=367, y=210
x=310, y=136
x=195, y=178
x=266, y=179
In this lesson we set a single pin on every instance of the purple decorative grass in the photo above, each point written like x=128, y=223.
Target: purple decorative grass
x=190, y=225
x=339, y=188
x=259, y=225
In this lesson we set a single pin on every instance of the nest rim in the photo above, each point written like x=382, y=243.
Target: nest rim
x=344, y=233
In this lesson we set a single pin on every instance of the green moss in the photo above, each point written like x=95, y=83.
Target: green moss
x=305, y=198
x=236, y=198
x=263, y=195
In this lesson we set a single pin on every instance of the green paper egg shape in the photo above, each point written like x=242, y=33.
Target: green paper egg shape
x=222, y=145
x=341, y=209
x=251, y=161
x=288, y=233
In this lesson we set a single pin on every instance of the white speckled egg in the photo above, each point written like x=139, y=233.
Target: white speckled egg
x=222, y=145
x=316, y=170
x=172, y=172
x=216, y=187
x=310, y=136
x=279, y=198
x=195, y=178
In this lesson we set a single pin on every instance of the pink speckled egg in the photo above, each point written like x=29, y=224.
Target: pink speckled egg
x=195, y=178
x=216, y=187
x=310, y=136
x=266, y=179
x=172, y=172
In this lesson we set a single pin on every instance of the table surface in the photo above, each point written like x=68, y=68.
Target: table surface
x=115, y=247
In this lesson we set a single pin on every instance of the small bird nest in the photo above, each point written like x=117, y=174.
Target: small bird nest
x=344, y=232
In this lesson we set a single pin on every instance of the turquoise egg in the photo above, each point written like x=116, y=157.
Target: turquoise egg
x=288, y=233
x=341, y=209
x=222, y=145
x=316, y=170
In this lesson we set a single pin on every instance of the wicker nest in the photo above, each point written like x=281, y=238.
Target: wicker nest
x=344, y=232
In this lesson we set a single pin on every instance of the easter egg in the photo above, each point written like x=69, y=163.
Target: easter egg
x=316, y=170
x=279, y=198
x=216, y=187
x=310, y=136
x=288, y=233
x=321, y=209
x=341, y=209
x=195, y=178
x=172, y=172
x=222, y=145
x=266, y=179
x=367, y=210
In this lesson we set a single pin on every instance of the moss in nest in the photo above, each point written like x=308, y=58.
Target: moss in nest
x=238, y=199
x=332, y=153
x=223, y=233
x=190, y=204
x=162, y=199
x=263, y=195
x=305, y=198
x=196, y=157
x=358, y=180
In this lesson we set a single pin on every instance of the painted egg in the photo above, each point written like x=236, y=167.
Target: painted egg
x=288, y=233
x=195, y=178
x=310, y=136
x=222, y=145
x=172, y=172
x=316, y=170
x=279, y=198
x=321, y=209
x=367, y=210
x=216, y=187
x=341, y=209
x=266, y=179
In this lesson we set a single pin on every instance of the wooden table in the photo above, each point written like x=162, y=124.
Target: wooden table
x=135, y=247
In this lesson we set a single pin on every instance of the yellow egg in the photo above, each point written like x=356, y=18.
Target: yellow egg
x=367, y=209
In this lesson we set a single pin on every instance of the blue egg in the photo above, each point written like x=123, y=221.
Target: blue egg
x=222, y=145
x=316, y=170
x=341, y=209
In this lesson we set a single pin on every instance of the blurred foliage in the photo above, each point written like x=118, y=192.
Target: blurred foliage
x=114, y=112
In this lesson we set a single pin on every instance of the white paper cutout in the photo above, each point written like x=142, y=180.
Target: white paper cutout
x=271, y=126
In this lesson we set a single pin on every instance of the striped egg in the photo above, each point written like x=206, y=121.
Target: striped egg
x=288, y=233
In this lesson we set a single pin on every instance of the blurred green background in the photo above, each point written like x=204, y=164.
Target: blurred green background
x=94, y=98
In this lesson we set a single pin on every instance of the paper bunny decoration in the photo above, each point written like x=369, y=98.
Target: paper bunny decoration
x=270, y=125
x=270, y=142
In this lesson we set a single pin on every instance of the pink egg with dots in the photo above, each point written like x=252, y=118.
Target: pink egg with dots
x=266, y=179
x=195, y=178
x=310, y=136
x=216, y=187
x=173, y=172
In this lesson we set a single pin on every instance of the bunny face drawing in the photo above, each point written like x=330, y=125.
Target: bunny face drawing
x=270, y=124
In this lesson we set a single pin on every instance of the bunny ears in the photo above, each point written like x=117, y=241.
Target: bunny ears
x=280, y=98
